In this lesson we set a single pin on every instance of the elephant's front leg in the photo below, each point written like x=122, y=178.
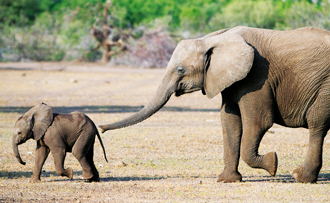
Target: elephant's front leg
x=232, y=132
x=252, y=135
x=257, y=118
x=41, y=156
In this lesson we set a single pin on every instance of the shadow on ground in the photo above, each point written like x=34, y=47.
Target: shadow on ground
x=119, y=179
x=14, y=68
x=100, y=109
x=28, y=174
x=323, y=178
x=76, y=176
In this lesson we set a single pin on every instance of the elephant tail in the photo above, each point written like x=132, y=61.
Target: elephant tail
x=98, y=136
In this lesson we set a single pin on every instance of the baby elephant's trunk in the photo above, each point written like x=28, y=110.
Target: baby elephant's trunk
x=16, y=152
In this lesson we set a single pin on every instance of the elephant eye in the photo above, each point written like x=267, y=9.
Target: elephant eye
x=19, y=133
x=180, y=70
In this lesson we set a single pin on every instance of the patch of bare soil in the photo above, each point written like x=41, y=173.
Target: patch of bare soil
x=174, y=156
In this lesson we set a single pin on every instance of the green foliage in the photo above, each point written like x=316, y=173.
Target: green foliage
x=49, y=39
x=196, y=17
x=92, y=56
x=38, y=42
x=301, y=14
x=19, y=12
x=58, y=29
x=138, y=11
x=48, y=5
x=58, y=5
x=248, y=13
x=305, y=13
x=191, y=14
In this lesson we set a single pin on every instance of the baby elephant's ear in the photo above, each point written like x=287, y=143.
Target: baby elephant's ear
x=42, y=118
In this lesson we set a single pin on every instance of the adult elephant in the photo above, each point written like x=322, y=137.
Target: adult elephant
x=265, y=77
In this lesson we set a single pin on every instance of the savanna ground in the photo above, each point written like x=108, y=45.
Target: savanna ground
x=174, y=156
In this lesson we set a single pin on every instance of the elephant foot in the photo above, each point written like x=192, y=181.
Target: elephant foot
x=65, y=172
x=270, y=162
x=229, y=177
x=34, y=180
x=69, y=172
x=87, y=175
x=93, y=179
x=302, y=175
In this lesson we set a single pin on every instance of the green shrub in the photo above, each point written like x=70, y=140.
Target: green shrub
x=19, y=12
x=30, y=43
x=303, y=14
x=51, y=38
x=59, y=30
x=248, y=13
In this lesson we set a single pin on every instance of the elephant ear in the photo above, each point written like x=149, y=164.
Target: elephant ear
x=41, y=119
x=227, y=60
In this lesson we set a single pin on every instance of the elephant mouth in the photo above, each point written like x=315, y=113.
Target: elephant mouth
x=179, y=93
x=184, y=91
x=20, y=142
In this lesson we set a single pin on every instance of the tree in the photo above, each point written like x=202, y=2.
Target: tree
x=103, y=39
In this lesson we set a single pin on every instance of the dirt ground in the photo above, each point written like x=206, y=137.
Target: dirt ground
x=174, y=156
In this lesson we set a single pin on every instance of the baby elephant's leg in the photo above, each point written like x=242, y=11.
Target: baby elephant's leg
x=83, y=151
x=89, y=157
x=59, y=157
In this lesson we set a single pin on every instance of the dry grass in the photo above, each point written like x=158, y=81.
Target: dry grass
x=174, y=156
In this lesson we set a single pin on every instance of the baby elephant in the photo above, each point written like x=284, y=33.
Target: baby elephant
x=58, y=133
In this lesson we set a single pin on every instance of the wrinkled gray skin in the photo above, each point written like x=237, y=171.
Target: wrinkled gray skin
x=264, y=77
x=58, y=133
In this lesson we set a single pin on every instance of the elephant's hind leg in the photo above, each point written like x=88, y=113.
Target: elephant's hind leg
x=83, y=151
x=90, y=173
x=318, y=123
x=308, y=172
x=90, y=160
x=59, y=157
x=87, y=169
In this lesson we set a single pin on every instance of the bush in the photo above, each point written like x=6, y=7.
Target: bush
x=38, y=42
x=304, y=14
x=196, y=18
x=43, y=30
x=19, y=12
x=248, y=13
x=49, y=39
x=30, y=44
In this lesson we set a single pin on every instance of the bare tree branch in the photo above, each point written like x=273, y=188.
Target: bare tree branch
x=103, y=39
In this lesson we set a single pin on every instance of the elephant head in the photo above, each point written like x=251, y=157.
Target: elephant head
x=210, y=64
x=33, y=124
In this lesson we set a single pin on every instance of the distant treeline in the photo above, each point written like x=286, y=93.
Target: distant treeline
x=59, y=29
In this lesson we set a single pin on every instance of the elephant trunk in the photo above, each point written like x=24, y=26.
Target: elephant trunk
x=163, y=94
x=16, y=152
